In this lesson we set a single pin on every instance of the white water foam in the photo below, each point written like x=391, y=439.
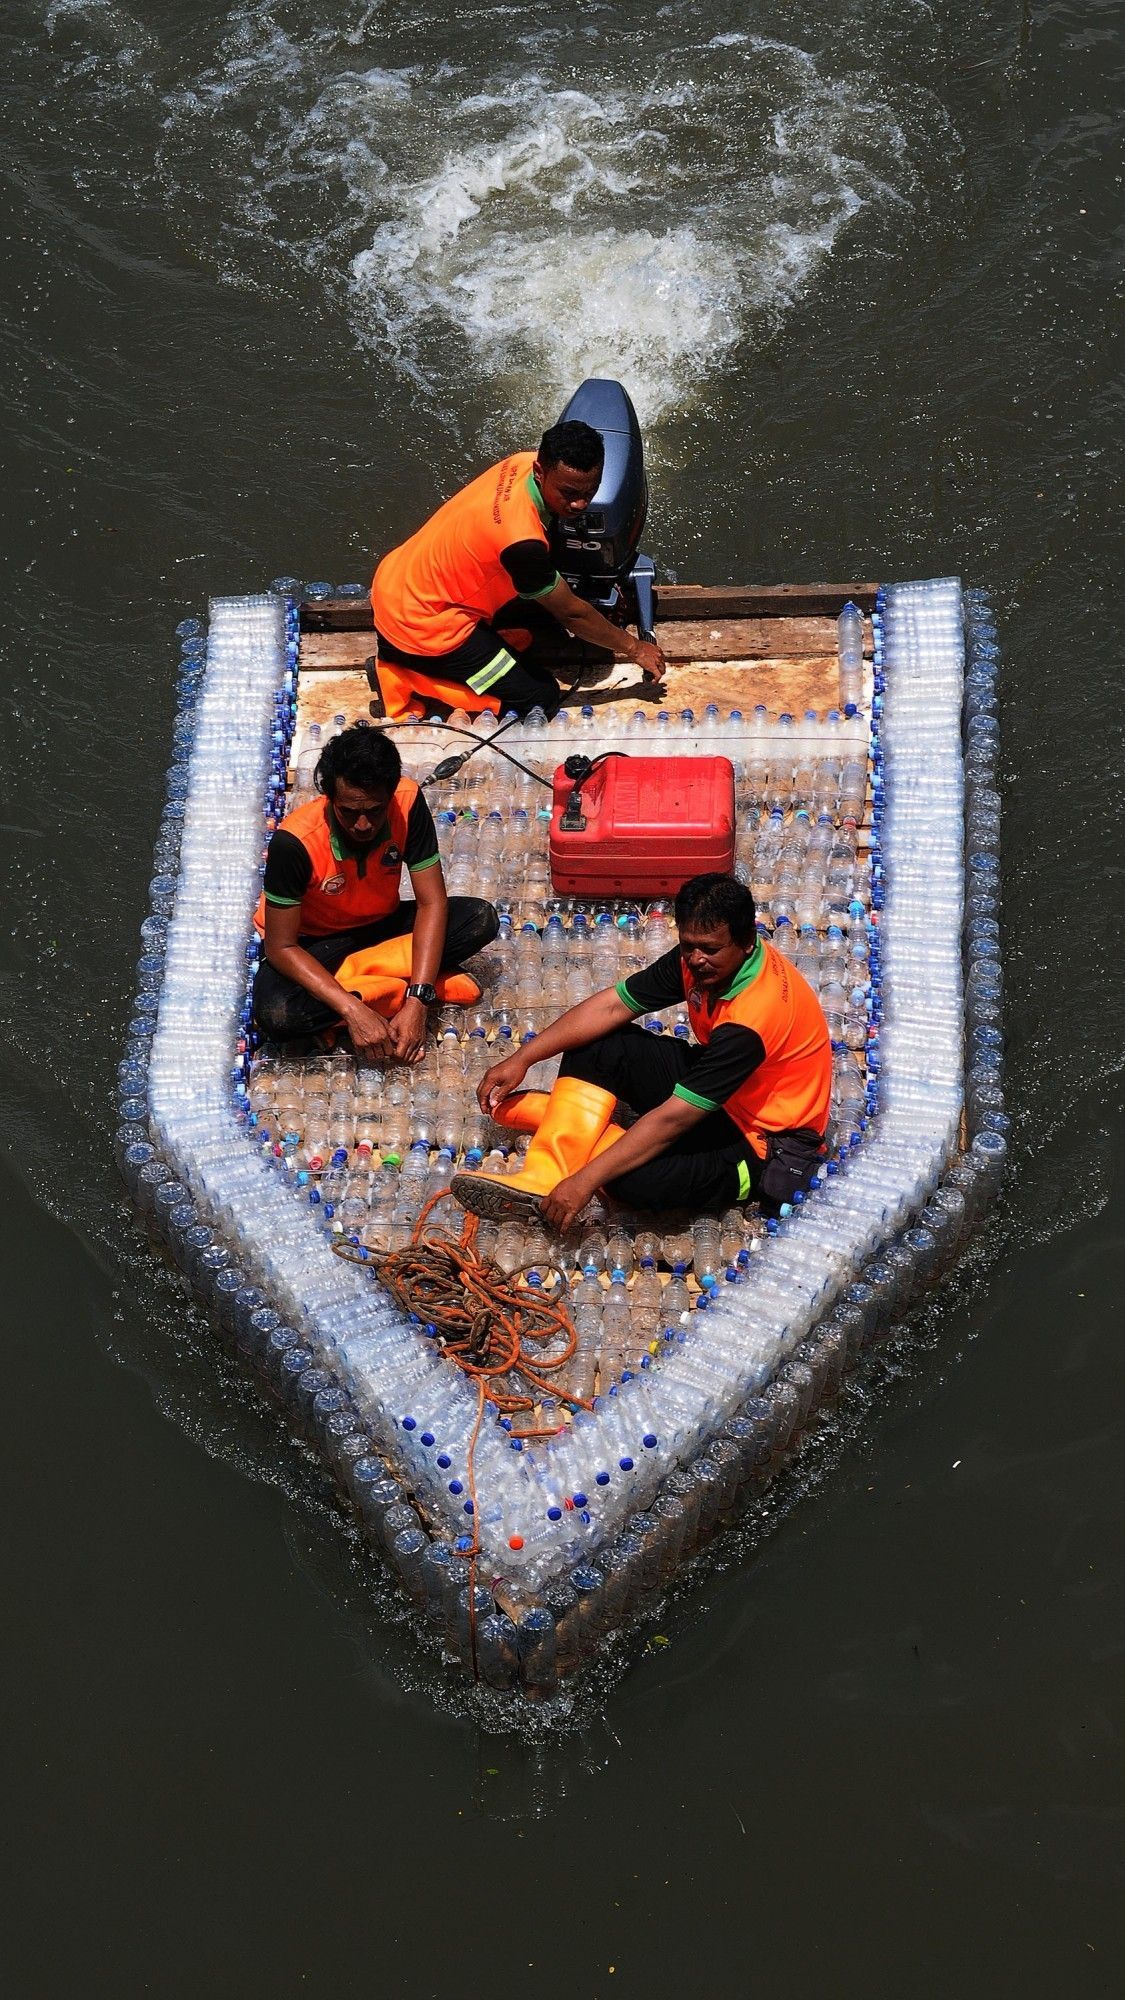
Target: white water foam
x=504, y=196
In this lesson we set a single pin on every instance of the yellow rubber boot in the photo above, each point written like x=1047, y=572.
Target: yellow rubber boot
x=392, y=960
x=609, y=1138
x=523, y=1111
x=576, y=1117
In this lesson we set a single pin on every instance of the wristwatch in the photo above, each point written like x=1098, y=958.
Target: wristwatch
x=426, y=993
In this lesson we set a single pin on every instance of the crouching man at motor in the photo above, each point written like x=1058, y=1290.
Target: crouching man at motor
x=743, y=1114
x=341, y=948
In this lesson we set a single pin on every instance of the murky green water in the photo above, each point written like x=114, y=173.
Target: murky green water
x=275, y=279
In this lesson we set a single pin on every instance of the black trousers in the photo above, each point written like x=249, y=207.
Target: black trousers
x=523, y=686
x=711, y=1168
x=282, y=1009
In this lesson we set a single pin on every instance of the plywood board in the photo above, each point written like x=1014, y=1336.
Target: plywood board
x=745, y=638
x=320, y=697
x=327, y=652
x=780, y=684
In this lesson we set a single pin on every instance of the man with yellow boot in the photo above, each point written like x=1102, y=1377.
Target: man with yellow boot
x=743, y=1114
x=341, y=949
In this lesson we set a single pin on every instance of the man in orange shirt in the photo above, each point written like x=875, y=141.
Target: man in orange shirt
x=743, y=1114
x=435, y=596
x=341, y=948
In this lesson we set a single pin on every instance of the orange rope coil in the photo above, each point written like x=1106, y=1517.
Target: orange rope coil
x=488, y=1324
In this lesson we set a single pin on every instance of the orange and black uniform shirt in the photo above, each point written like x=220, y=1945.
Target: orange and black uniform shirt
x=766, y=1055
x=486, y=545
x=311, y=866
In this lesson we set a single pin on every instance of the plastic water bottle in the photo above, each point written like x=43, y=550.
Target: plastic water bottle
x=849, y=651
x=676, y=1301
x=785, y=939
x=647, y=1300
x=707, y=1255
x=678, y=1247
x=615, y=1306
x=619, y=1251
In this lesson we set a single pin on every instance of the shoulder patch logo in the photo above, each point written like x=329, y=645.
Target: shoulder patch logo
x=332, y=885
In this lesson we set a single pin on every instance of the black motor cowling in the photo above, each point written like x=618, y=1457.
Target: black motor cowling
x=597, y=551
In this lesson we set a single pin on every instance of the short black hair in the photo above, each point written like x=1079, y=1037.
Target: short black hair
x=360, y=756
x=575, y=444
x=710, y=900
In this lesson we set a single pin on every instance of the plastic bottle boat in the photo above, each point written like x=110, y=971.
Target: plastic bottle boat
x=869, y=830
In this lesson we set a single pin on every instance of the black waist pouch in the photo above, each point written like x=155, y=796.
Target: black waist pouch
x=792, y=1159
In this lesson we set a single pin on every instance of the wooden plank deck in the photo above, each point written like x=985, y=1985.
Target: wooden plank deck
x=774, y=644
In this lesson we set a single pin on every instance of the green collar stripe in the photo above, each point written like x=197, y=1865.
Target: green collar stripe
x=541, y=506
x=341, y=848
x=747, y=973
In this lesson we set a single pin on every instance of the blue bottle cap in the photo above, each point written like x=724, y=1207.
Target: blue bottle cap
x=427, y=1439
x=601, y=1478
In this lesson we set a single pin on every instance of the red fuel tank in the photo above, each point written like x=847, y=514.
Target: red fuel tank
x=643, y=826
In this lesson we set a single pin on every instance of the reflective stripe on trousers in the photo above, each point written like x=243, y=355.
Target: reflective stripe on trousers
x=492, y=671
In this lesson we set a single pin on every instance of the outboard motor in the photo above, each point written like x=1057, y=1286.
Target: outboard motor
x=597, y=552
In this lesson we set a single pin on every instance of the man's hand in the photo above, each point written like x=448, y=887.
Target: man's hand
x=563, y=1206
x=408, y=1032
x=370, y=1034
x=649, y=657
x=500, y=1081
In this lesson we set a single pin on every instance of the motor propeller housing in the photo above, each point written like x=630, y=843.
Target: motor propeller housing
x=597, y=552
